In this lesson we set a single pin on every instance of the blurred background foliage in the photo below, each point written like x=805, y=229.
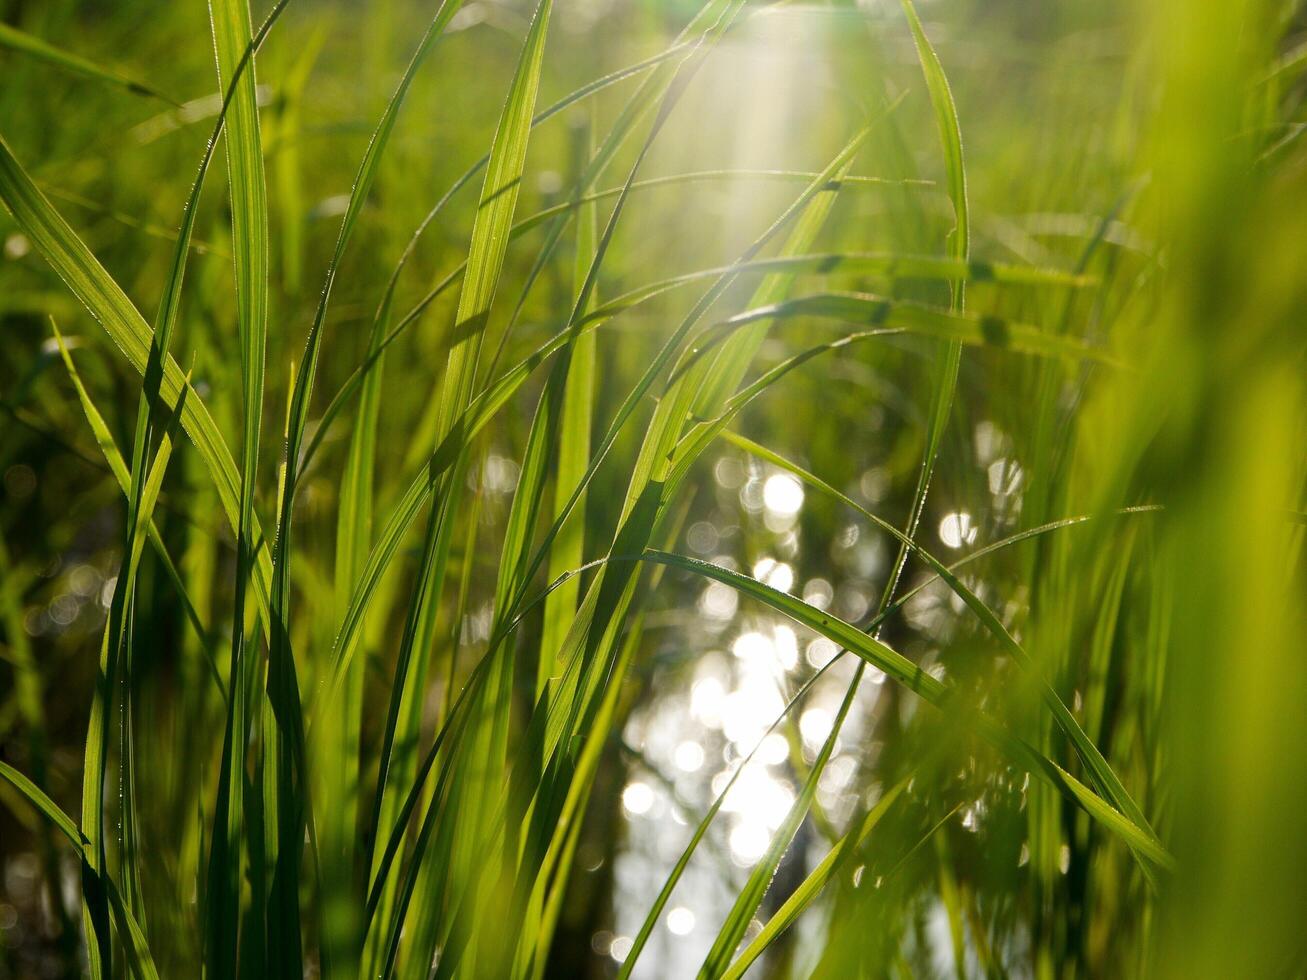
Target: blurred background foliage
x=1153, y=148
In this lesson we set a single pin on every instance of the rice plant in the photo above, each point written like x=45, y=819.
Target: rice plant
x=558, y=489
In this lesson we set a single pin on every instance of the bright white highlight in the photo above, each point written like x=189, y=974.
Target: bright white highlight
x=782, y=495
x=689, y=757
x=637, y=798
x=957, y=529
x=680, y=921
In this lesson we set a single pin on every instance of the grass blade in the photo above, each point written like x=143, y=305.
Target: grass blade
x=73, y=262
x=138, y=952
x=895, y=665
x=16, y=40
x=957, y=328
x=232, y=34
x=807, y=892
x=1102, y=773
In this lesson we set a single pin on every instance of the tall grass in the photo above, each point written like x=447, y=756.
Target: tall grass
x=944, y=365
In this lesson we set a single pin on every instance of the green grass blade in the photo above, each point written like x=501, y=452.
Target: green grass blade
x=960, y=328
x=811, y=887
x=232, y=34
x=118, y=467
x=887, y=265
x=1102, y=773
x=73, y=262
x=959, y=246
x=573, y=455
x=16, y=40
x=895, y=665
x=950, y=134
x=44, y=805
x=140, y=962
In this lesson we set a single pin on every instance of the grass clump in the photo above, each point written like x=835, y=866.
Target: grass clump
x=644, y=491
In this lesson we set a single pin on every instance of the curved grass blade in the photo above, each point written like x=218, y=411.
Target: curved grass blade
x=118, y=467
x=967, y=328
x=959, y=247
x=247, y=192
x=34, y=47
x=73, y=262
x=891, y=266
x=1103, y=775
x=486, y=253
x=950, y=134
x=812, y=885
x=895, y=665
x=572, y=457
x=138, y=952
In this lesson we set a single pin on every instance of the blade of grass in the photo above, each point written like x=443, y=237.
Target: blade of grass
x=73, y=262
x=573, y=453
x=1100, y=770
x=957, y=328
x=486, y=254
x=895, y=665
x=118, y=467
x=16, y=40
x=950, y=134
x=232, y=35
x=811, y=887
x=139, y=959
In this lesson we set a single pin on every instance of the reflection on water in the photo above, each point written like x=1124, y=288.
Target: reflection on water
x=709, y=734
x=704, y=726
